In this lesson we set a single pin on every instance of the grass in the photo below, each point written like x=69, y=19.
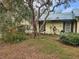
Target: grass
x=50, y=46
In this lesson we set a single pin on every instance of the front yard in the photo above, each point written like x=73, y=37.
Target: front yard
x=44, y=47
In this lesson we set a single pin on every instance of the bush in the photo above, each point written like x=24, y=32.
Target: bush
x=14, y=37
x=70, y=38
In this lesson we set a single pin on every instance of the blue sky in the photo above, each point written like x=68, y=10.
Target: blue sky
x=73, y=5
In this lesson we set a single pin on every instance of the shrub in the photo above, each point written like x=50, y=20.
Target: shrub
x=14, y=37
x=70, y=38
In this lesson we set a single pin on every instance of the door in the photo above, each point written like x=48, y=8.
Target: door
x=67, y=26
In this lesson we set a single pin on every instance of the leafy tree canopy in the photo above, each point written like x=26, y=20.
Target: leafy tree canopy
x=13, y=12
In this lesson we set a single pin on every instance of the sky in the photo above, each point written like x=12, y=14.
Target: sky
x=73, y=6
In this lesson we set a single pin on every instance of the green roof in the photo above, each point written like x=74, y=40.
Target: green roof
x=58, y=16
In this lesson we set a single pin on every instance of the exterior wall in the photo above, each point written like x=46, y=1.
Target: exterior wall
x=74, y=28
x=77, y=26
x=60, y=26
x=77, y=19
x=48, y=29
x=50, y=25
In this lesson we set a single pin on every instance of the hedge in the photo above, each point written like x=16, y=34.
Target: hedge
x=70, y=38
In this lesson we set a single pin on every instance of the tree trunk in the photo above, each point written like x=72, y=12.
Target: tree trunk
x=44, y=22
x=34, y=24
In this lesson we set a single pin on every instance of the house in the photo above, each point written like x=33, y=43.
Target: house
x=67, y=22
x=76, y=13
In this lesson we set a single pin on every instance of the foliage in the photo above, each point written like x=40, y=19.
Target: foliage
x=11, y=14
x=21, y=10
x=70, y=38
x=21, y=28
x=15, y=15
x=14, y=37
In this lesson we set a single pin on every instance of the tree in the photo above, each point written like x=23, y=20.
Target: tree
x=43, y=6
x=29, y=3
x=12, y=12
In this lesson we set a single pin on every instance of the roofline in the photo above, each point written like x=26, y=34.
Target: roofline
x=77, y=16
x=60, y=20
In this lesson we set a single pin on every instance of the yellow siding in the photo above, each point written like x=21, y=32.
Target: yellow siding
x=48, y=28
x=77, y=26
x=74, y=29
x=50, y=25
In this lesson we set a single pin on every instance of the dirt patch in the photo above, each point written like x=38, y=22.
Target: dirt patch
x=22, y=51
